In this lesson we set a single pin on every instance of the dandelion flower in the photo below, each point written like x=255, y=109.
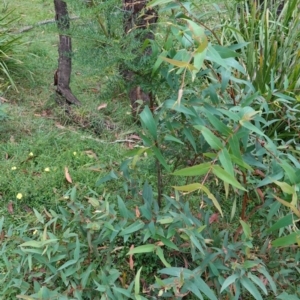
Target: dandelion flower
x=47, y=169
x=14, y=168
x=19, y=196
x=30, y=154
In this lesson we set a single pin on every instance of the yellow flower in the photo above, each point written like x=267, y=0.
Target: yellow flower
x=19, y=196
x=47, y=169
x=14, y=168
x=74, y=153
x=30, y=154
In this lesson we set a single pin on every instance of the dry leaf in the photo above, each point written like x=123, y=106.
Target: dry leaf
x=10, y=207
x=3, y=99
x=59, y=126
x=137, y=212
x=67, y=175
x=101, y=106
x=134, y=137
x=214, y=218
x=90, y=154
x=129, y=146
x=131, y=262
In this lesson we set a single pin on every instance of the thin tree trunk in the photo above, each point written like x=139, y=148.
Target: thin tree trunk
x=63, y=73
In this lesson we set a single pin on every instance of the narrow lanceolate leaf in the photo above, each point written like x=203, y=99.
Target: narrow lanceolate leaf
x=285, y=187
x=161, y=256
x=160, y=158
x=246, y=229
x=142, y=249
x=137, y=282
x=149, y=122
x=258, y=282
x=225, y=176
x=197, y=170
x=248, y=285
x=210, y=138
x=158, y=2
x=225, y=161
x=288, y=240
x=178, y=63
x=188, y=188
x=251, y=127
x=228, y=281
x=198, y=186
x=288, y=204
x=283, y=222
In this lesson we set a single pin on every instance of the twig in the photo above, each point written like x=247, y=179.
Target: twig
x=27, y=28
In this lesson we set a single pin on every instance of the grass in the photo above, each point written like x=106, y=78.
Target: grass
x=37, y=125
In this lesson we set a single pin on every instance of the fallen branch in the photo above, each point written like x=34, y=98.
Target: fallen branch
x=27, y=28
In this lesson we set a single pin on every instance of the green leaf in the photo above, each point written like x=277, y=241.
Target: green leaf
x=167, y=242
x=288, y=240
x=204, y=288
x=137, y=282
x=197, y=170
x=283, y=222
x=158, y=62
x=249, y=264
x=225, y=52
x=246, y=229
x=133, y=228
x=217, y=124
x=198, y=186
x=158, y=2
x=161, y=256
x=251, y=127
x=225, y=161
x=123, y=211
x=142, y=249
x=228, y=281
x=160, y=158
x=38, y=216
x=214, y=56
x=188, y=134
x=166, y=220
x=189, y=187
x=198, y=62
x=210, y=138
x=290, y=172
x=149, y=122
x=67, y=264
x=77, y=249
x=272, y=284
x=223, y=175
x=110, y=176
x=169, y=137
x=38, y=244
x=251, y=288
x=258, y=282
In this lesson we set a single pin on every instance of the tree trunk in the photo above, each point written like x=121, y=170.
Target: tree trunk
x=63, y=73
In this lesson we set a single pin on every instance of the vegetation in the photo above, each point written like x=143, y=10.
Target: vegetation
x=197, y=199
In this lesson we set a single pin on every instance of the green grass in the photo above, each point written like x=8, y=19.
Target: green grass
x=38, y=125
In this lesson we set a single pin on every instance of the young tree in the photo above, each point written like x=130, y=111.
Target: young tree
x=63, y=73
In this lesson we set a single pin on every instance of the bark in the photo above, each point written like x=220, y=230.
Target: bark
x=63, y=73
